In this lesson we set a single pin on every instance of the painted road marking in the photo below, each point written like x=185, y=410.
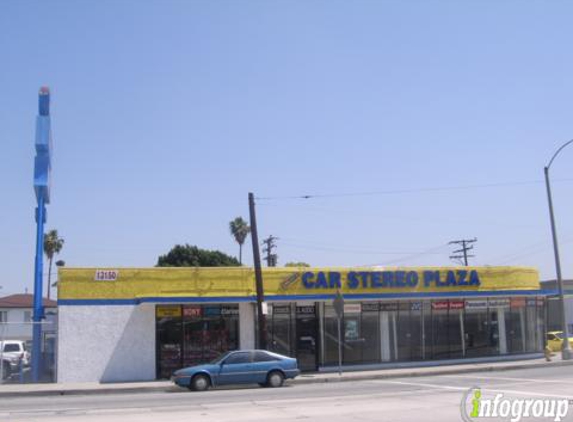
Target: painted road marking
x=494, y=390
x=509, y=379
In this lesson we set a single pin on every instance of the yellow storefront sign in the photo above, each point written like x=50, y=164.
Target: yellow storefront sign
x=172, y=311
x=282, y=283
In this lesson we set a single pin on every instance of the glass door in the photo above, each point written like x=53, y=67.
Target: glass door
x=306, y=337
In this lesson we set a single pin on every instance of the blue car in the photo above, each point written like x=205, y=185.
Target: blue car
x=239, y=367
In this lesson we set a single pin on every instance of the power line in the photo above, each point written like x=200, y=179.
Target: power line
x=430, y=251
x=297, y=245
x=402, y=191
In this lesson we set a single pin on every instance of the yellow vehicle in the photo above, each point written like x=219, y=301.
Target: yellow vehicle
x=555, y=341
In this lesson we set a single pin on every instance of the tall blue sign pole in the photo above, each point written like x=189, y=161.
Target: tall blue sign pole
x=42, y=170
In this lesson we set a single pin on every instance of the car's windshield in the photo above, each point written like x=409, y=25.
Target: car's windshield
x=559, y=336
x=11, y=348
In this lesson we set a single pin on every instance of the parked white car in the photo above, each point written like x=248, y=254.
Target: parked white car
x=15, y=353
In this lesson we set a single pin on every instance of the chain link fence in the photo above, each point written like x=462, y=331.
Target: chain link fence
x=16, y=349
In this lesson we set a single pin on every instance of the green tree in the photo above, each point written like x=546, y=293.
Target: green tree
x=192, y=256
x=240, y=230
x=297, y=264
x=53, y=244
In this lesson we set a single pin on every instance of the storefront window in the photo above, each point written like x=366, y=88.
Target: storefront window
x=371, y=332
x=374, y=332
x=455, y=329
x=409, y=331
x=352, y=332
x=540, y=325
x=516, y=326
x=388, y=331
x=193, y=334
x=168, y=340
x=427, y=330
x=530, y=324
x=416, y=325
x=476, y=328
x=440, y=329
x=307, y=341
x=281, y=330
x=330, y=335
x=499, y=315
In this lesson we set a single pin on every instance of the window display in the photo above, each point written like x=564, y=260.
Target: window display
x=193, y=334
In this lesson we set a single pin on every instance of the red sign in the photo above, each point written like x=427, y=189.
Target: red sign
x=445, y=305
x=458, y=304
x=517, y=302
x=191, y=311
x=439, y=306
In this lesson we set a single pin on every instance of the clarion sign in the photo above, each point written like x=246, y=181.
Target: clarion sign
x=390, y=279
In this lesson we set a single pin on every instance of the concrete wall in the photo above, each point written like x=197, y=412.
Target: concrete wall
x=106, y=343
x=246, y=325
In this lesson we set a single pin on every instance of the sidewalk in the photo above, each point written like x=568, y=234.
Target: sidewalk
x=15, y=390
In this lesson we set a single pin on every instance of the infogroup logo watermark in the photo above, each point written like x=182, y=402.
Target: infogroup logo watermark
x=476, y=406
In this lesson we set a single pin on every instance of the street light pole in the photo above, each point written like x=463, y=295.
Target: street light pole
x=566, y=350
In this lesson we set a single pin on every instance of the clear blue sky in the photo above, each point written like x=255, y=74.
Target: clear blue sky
x=167, y=113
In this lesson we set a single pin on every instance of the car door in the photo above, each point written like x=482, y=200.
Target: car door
x=237, y=368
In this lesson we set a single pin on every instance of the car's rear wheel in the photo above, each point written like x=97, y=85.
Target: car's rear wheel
x=200, y=382
x=275, y=379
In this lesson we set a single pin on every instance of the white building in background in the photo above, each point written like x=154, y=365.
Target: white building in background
x=16, y=317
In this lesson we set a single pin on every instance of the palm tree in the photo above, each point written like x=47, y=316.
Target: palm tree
x=240, y=230
x=52, y=246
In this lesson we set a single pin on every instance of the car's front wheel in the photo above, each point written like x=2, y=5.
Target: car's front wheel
x=200, y=382
x=275, y=379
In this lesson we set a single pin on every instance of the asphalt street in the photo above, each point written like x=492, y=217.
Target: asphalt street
x=433, y=398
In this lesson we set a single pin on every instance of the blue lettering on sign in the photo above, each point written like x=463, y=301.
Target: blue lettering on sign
x=321, y=280
x=390, y=279
x=364, y=275
x=430, y=277
x=352, y=280
x=462, y=274
x=474, y=278
x=376, y=279
x=412, y=279
x=334, y=280
x=399, y=278
x=451, y=279
x=307, y=280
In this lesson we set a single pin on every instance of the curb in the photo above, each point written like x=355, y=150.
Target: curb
x=86, y=391
x=417, y=373
x=346, y=377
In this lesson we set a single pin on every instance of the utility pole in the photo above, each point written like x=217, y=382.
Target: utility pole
x=464, y=249
x=262, y=332
x=270, y=257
